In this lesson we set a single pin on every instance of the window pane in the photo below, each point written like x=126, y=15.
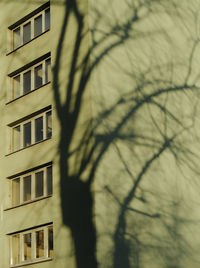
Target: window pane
x=15, y=253
x=26, y=33
x=48, y=70
x=49, y=181
x=39, y=129
x=39, y=184
x=38, y=76
x=38, y=26
x=47, y=19
x=16, y=86
x=40, y=244
x=49, y=124
x=16, y=138
x=27, y=134
x=27, y=82
x=16, y=192
x=27, y=188
x=16, y=38
x=50, y=242
x=27, y=247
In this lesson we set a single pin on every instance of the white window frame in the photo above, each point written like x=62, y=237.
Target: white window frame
x=33, y=246
x=31, y=20
x=33, y=137
x=32, y=70
x=33, y=183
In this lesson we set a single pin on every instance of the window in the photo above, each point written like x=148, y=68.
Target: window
x=25, y=30
x=31, y=78
x=31, y=245
x=31, y=186
x=31, y=131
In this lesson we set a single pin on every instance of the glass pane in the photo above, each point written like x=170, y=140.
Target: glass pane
x=50, y=242
x=27, y=188
x=16, y=86
x=27, y=134
x=27, y=82
x=39, y=129
x=16, y=138
x=49, y=181
x=16, y=38
x=26, y=33
x=38, y=76
x=16, y=192
x=15, y=254
x=38, y=26
x=39, y=184
x=47, y=19
x=27, y=247
x=48, y=70
x=49, y=124
x=40, y=244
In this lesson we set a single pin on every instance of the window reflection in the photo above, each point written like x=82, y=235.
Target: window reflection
x=26, y=33
x=16, y=192
x=16, y=38
x=48, y=71
x=49, y=181
x=38, y=76
x=40, y=244
x=50, y=242
x=37, y=25
x=16, y=138
x=39, y=129
x=27, y=188
x=39, y=184
x=27, y=82
x=16, y=86
x=47, y=19
x=27, y=247
x=15, y=253
x=49, y=124
x=27, y=134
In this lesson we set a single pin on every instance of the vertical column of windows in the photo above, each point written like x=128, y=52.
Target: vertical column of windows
x=37, y=243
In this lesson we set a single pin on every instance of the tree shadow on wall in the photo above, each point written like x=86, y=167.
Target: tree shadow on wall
x=148, y=99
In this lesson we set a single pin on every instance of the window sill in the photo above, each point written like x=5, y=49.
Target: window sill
x=26, y=43
x=28, y=93
x=32, y=262
x=28, y=202
x=27, y=147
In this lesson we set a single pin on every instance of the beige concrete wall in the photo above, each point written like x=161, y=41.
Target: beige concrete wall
x=153, y=50
x=138, y=55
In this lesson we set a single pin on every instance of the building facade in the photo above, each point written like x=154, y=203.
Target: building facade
x=99, y=137
x=31, y=218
